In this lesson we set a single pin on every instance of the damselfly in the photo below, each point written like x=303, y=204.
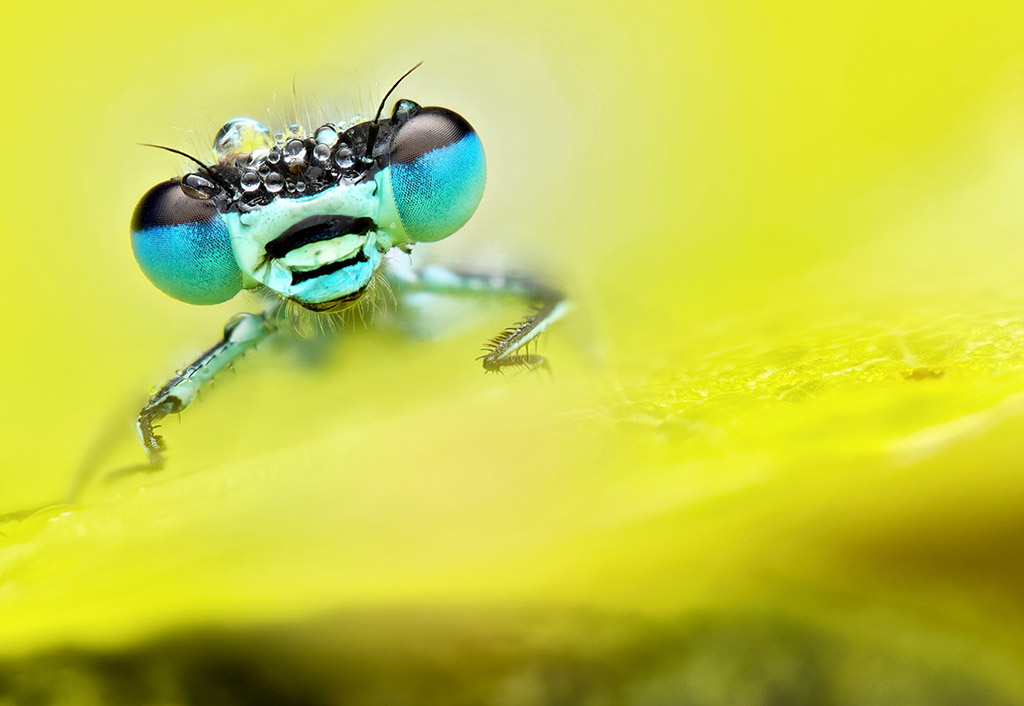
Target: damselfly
x=308, y=218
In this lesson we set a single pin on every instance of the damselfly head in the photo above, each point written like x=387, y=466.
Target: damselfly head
x=309, y=214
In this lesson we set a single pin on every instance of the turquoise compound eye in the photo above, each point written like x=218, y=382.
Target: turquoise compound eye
x=437, y=173
x=183, y=247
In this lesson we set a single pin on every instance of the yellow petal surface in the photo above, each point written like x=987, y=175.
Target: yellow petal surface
x=777, y=461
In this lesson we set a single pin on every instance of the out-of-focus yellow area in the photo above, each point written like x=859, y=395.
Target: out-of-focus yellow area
x=779, y=457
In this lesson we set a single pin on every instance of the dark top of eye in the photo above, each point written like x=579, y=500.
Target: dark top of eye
x=167, y=205
x=428, y=130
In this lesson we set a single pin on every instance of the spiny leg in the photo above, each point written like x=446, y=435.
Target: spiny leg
x=505, y=350
x=241, y=333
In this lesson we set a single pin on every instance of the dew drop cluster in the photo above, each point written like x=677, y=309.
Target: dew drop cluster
x=291, y=163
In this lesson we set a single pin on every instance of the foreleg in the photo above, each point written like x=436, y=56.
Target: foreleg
x=241, y=333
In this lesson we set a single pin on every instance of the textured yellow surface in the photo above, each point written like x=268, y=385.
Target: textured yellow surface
x=779, y=456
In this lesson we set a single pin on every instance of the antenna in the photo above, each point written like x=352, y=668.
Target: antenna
x=371, y=137
x=223, y=184
x=392, y=90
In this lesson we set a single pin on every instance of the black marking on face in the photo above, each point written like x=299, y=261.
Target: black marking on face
x=315, y=229
x=299, y=276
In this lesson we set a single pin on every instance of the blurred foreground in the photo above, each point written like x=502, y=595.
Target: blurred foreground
x=779, y=461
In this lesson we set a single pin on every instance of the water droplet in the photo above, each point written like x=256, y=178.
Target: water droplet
x=198, y=181
x=295, y=153
x=274, y=182
x=344, y=158
x=300, y=186
x=263, y=169
x=290, y=187
x=258, y=155
x=327, y=135
x=295, y=129
x=250, y=180
x=278, y=137
x=241, y=136
x=322, y=152
x=404, y=108
x=274, y=156
x=357, y=118
x=198, y=186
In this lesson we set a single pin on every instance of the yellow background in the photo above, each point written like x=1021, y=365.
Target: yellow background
x=790, y=388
